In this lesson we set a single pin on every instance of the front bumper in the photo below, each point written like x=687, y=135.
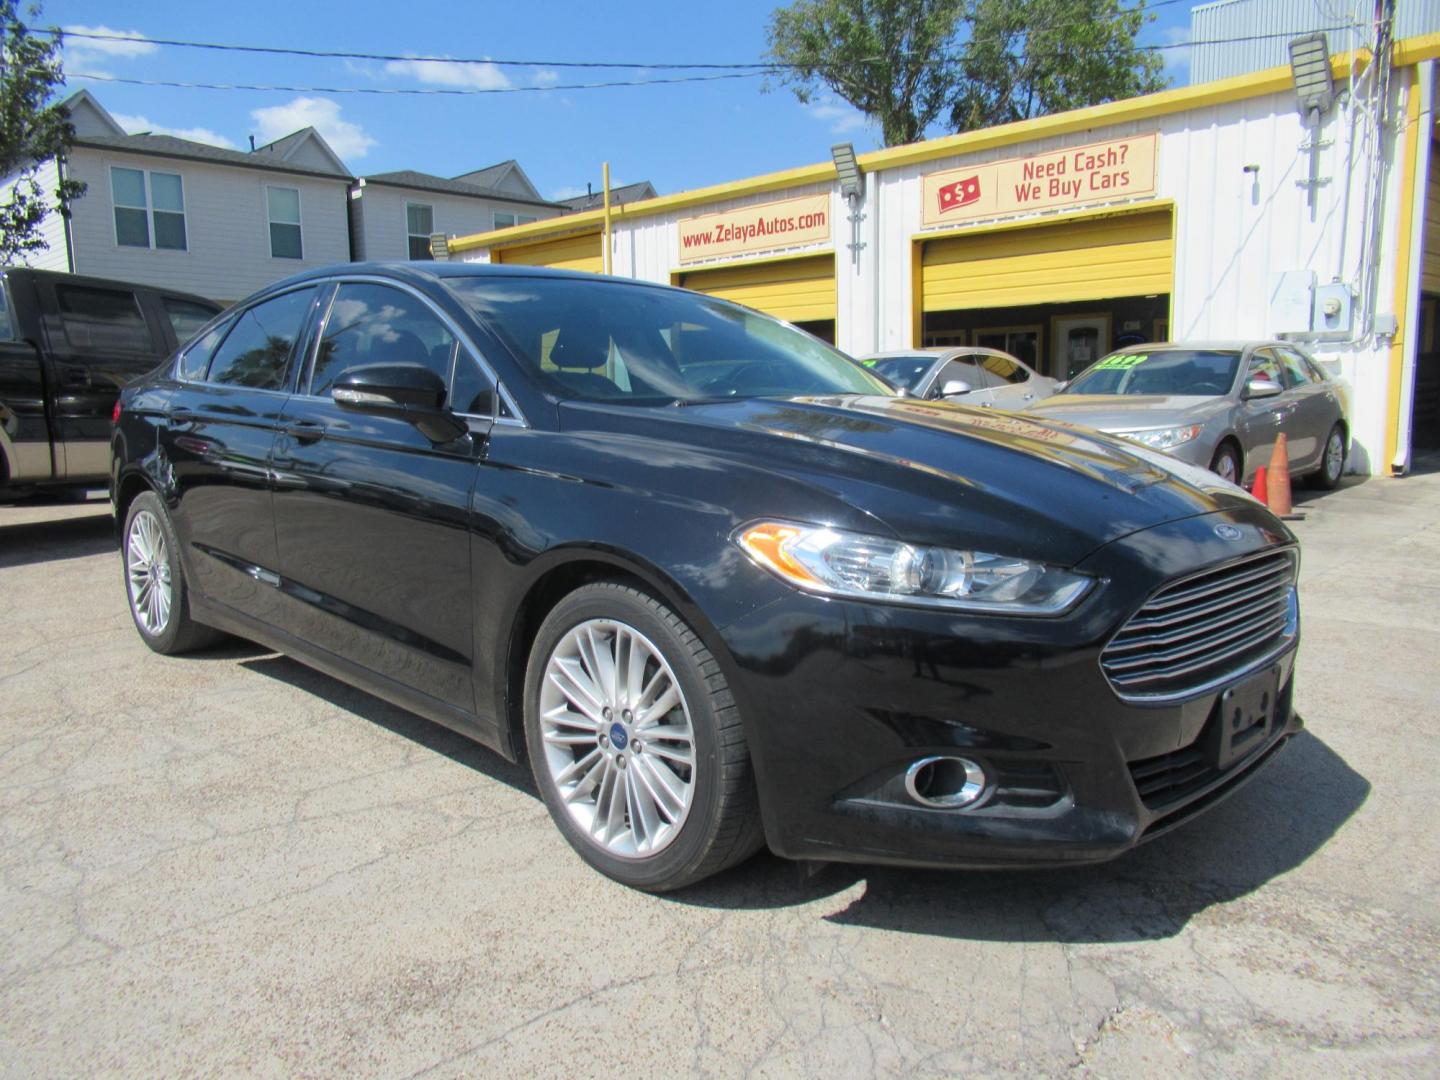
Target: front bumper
x=842, y=697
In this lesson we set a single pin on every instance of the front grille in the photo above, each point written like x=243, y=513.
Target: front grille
x=1199, y=632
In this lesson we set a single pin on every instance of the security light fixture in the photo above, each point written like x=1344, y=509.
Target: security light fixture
x=852, y=184
x=1310, y=69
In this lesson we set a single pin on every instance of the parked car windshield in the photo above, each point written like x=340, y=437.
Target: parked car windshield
x=608, y=341
x=1179, y=372
x=906, y=371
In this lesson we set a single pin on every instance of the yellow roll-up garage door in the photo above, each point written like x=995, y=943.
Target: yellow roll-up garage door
x=797, y=290
x=1093, y=259
x=567, y=253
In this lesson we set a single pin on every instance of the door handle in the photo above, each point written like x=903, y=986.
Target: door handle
x=1029, y=397
x=305, y=431
x=181, y=416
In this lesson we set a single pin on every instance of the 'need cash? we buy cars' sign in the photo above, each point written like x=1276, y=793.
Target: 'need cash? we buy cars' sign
x=1120, y=168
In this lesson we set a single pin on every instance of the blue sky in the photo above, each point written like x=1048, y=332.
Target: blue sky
x=677, y=136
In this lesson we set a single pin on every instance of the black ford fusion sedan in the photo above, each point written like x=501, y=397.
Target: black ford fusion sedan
x=719, y=583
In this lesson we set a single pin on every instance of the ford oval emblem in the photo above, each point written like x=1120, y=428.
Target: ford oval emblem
x=1227, y=532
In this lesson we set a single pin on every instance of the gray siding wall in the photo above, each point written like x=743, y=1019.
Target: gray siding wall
x=227, y=229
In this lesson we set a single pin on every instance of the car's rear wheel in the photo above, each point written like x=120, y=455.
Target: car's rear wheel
x=155, y=581
x=635, y=741
x=1226, y=463
x=1332, y=463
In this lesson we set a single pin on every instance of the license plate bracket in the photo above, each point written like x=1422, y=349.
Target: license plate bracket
x=1243, y=719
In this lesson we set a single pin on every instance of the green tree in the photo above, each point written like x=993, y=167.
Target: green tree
x=1026, y=58
x=33, y=129
x=909, y=64
x=879, y=55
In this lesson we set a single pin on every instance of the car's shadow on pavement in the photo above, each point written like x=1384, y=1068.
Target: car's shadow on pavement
x=31, y=542
x=1268, y=828
x=1271, y=826
x=406, y=724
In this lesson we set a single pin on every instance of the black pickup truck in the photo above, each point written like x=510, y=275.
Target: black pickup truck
x=67, y=346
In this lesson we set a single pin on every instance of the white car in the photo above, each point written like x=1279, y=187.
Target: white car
x=968, y=375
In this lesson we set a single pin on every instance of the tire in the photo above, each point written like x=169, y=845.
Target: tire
x=694, y=801
x=1332, y=462
x=155, y=581
x=1226, y=463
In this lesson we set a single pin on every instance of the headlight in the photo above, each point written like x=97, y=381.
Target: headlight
x=823, y=560
x=1163, y=438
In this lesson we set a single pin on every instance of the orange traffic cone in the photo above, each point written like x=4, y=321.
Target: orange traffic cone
x=1259, y=488
x=1280, y=478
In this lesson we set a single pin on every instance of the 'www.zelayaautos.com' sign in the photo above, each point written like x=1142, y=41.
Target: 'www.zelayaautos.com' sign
x=749, y=229
x=1120, y=168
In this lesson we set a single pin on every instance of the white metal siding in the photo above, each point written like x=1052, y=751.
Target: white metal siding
x=227, y=228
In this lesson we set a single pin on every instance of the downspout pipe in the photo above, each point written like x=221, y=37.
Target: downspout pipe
x=1400, y=463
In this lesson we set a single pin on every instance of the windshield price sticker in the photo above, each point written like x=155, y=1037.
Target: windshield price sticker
x=1122, y=362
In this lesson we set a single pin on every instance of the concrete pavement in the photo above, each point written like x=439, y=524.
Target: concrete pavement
x=231, y=864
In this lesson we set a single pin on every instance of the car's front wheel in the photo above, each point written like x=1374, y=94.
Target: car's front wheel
x=635, y=741
x=155, y=581
x=1226, y=463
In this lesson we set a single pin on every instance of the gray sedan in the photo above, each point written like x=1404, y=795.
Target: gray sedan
x=966, y=375
x=1219, y=404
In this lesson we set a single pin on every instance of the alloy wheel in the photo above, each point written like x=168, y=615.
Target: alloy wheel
x=1334, y=457
x=147, y=564
x=619, y=744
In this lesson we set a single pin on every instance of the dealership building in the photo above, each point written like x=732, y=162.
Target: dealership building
x=1273, y=203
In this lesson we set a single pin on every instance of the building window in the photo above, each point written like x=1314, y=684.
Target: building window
x=503, y=219
x=283, y=205
x=149, y=209
x=419, y=224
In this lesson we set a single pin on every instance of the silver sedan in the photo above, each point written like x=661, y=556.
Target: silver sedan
x=966, y=375
x=1216, y=404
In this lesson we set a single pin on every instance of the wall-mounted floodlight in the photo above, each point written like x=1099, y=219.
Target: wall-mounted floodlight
x=852, y=184
x=1310, y=69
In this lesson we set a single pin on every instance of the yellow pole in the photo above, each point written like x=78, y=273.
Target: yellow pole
x=605, y=182
x=1399, y=344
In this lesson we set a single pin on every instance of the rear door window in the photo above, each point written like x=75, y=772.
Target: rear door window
x=958, y=371
x=103, y=319
x=1297, y=371
x=186, y=317
x=257, y=350
x=1004, y=369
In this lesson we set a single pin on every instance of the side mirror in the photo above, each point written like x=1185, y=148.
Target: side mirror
x=410, y=392
x=1261, y=388
x=955, y=386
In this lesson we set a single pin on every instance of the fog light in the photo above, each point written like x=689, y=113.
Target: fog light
x=945, y=783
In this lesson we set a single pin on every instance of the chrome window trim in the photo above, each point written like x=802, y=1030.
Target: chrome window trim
x=307, y=374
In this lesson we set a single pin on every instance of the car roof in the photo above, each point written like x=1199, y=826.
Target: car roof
x=938, y=351
x=1227, y=345
x=431, y=271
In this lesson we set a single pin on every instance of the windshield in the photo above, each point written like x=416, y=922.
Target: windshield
x=626, y=344
x=906, y=371
x=1179, y=372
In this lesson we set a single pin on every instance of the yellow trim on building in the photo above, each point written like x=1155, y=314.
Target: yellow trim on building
x=1404, y=286
x=1241, y=87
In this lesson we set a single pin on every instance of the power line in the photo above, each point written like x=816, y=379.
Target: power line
x=403, y=90
x=752, y=71
x=329, y=54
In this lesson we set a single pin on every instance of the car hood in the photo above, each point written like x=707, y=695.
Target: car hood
x=1125, y=412
x=929, y=472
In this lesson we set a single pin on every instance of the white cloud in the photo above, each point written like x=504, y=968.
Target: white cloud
x=137, y=125
x=836, y=114
x=1177, y=61
x=450, y=73
x=545, y=77
x=569, y=191
x=134, y=43
x=346, y=138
